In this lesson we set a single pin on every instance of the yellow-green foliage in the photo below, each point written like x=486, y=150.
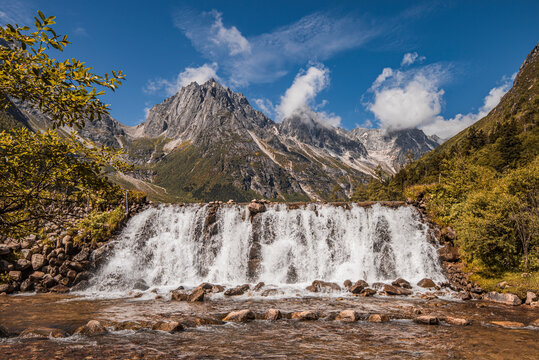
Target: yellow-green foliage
x=99, y=226
x=516, y=282
x=4, y=278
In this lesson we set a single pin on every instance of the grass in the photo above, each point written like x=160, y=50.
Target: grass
x=516, y=282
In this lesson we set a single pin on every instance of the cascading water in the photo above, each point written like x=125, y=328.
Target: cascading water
x=167, y=246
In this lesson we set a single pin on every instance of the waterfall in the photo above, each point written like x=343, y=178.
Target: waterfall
x=171, y=245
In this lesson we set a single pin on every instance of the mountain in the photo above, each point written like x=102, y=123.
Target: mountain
x=208, y=143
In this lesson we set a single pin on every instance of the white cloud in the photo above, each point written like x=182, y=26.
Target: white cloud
x=266, y=106
x=80, y=31
x=268, y=56
x=16, y=12
x=230, y=37
x=299, y=98
x=199, y=75
x=410, y=58
x=414, y=98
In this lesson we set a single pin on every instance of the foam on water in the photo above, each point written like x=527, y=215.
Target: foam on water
x=168, y=246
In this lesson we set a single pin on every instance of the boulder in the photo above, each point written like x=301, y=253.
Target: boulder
x=256, y=208
x=270, y=292
x=4, y=249
x=60, y=289
x=449, y=253
x=240, y=316
x=197, y=295
x=207, y=321
x=217, y=289
x=179, y=295
x=82, y=255
x=168, y=326
x=15, y=275
x=530, y=297
x=426, y=283
x=367, y=292
x=75, y=265
x=259, y=286
x=141, y=285
x=48, y=281
x=6, y=288
x=427, y=320
x=36, y=276
x=535, y=323
x=38, y=261
x=456, y=321
x=304, y=315
x=71, y=274
x=400, y=282
x=26, y=285
x=93, y=327
x=3, y=332
x=348, y=316
x=379, y=318
x=358, y=286
x=508, y=324
x=507, y=299
x=238, y=290
x=273, y=315
x=347, y=284
x=23, y=264
x=323, y=286
x=395, y=290
x=42, y=333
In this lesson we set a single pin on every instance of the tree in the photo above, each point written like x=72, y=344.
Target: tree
x=64, y=90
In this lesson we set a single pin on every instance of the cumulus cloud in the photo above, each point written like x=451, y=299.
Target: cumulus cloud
x=410, y=58
x=266, y=106
x=404, y=99
x=268, y=56
x=298, y=100
x=199, y=75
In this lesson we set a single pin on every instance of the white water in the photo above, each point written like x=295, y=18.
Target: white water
x=170, y=246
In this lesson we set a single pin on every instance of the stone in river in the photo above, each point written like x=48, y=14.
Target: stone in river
x=507, y=299
x=456, y=321
x=394, y=290
x=367, y=292
x=140, y=284
x=427, y=320
x=358, y=286
x=168, y=326
x=400, y=282
x=42, y=333
x=426, y=283
x=93, y=327
x=348, y=315
x=323, y=286
x=197, y=295
x=304, y=315
x=273, y=314
x=508, y=324
x=240, y=316
x=379, y=318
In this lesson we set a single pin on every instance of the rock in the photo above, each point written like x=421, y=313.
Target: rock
x=66, y=239
x=4, y=249
x=179, y=295
x=259, y=286
x=456, y=321
x=466, y=296
x=304, y=315
x=15, y=275
x=217, y=289
x=347, y=283
x=238, y=290
x=168, y=326
x=270, y=292
x=38, y=261
x=323, y=286
x=256, y=208
x=427, y=320
x=60, y=289
x=93, y=327
x=141, y=285
x=348, y=316
x=358, y=287
x=82, y=276
x=208, y=321
x=240, y=316
x=71, y=274
x=197, y=295
x=82, y=255
x=205, y=286
x=6, y=288
x=26, y=285
x=36, y=276
x=449, y=253
x=3, y=332
x=535, y=323
x=26, y=254
x=394, y=290
x=530, y=297
x=75, y=265
x=23, y=264
x=378, y=285
x=367, y=292
x=502, y=284
x=379, y=318
x=507, y=299
x=273, y=315
x=42, y=333
x=400, y=282
x=426, y=283
x=448, y=234
x=508, y=324
x=48, y=281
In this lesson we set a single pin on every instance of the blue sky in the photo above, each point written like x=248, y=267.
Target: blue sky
x=439, y=66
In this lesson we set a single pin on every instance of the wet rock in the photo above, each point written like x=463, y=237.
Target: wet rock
x=82, y=255
x=400, y=282
x=507, y=299
x=3, y=332
x=93, y=327
x=530, y=297
x=240, y=316
x=60, y=289
x=141, y=285
x=426, y=283
x=270, y=292
x=26, y=285
x=48, y=281
x=427, y=320
x=179, y=295
x=508, y=324
x=71, y=274
x=238, y=290
x=42, y=333
x=205, y=286
x=466, y=296
x=379, y=318
x=323, y=286
x=367, y=292
x=38, y=261
x=75, y=265
x=304, y=315
x=347, y=284
x=449, y=253
x=197, y=295
x=448, y=234
x=4, y=249
x=168, y=326
x=6, y=288
x=535, y=323
x=217, y=289
x=81, y=285
x=256, y=208
x=348, y=316
x=273, y=315
x=378, y=285
x=358, y=287
x=23, y=264
x=456, y=321
x=259, y=286
x=36, y=276
x=394, y=290
x=15, y=275
x=207, y=321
